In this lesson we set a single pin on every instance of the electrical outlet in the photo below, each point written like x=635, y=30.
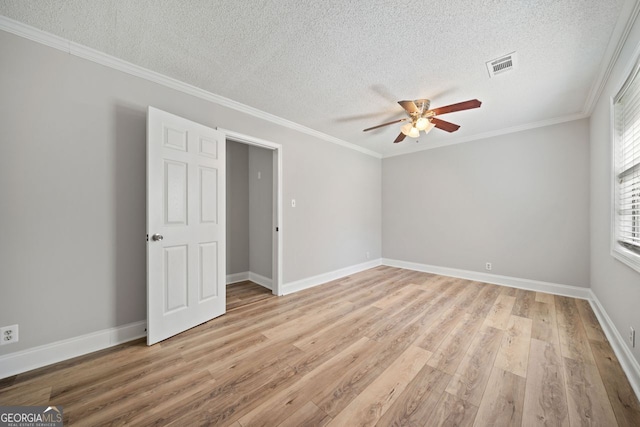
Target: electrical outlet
x=368, y=255
x=9, y=334
x=632, y=336
x=488, y=266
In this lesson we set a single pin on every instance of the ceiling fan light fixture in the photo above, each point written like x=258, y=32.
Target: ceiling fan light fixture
x=422, y=123
x=410, y=130
x=429, y=127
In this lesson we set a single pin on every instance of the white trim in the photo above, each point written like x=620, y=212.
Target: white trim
x=419, y=147
x=628, y=363
x=256, y=278
x=277, y=268
x=626, y=257
x=37, y=357
x=263, y=281
x=34, y=34
x=250, y=140
x=625, y=22
x=76, y=49
x=320, y=279
x=513, y=282
x=618, y=252
x=237, y=277
x=65, y=45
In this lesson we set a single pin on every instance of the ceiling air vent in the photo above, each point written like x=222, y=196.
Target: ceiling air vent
x=502, y=65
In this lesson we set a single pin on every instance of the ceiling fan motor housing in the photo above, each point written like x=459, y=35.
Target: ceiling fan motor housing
x=423, y=106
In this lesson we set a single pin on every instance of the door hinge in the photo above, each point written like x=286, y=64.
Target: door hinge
x=147, y=237
x=277, y=229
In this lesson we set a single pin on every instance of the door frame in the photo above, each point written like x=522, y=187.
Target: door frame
x=276, y=229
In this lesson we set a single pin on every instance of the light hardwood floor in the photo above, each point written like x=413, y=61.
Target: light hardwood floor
x=386, y=347
x=244, y=293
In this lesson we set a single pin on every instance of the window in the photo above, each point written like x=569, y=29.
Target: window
x=626, y=170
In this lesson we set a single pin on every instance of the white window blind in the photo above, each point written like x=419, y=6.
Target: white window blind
x=627, y=165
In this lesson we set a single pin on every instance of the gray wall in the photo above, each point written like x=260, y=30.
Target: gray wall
x=72, y=182
x=249, y=209
x=237, y=207
x=261, y=211
x=616, y=285
x=519, y=201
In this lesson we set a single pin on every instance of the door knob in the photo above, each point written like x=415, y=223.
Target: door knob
x=157, y=237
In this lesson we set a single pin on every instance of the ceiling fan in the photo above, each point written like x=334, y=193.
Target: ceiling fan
x=423, y=119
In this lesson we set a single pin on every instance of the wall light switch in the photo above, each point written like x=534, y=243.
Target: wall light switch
x=293, y=203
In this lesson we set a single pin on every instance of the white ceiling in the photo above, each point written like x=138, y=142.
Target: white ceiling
x=340, y=66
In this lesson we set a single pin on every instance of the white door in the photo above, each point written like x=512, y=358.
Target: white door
x=185, y=224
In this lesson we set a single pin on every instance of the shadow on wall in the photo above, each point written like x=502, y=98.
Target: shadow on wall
x=129, y=202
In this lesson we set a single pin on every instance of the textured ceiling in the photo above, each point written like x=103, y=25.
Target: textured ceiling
x=340, y=66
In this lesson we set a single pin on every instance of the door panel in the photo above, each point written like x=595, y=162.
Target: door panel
x=175, y=200
x=209, y=195
x=186, y=206
x=209, y=147
x=208, y=271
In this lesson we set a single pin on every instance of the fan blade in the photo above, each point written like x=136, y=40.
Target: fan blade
x=441, y=124
x=399, y=138
x=409, y=106
x=466, y=105
x=386, y=124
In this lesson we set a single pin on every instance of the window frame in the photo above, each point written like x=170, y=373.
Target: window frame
x=618, y=251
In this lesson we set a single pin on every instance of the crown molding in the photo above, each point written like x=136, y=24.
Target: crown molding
x=84, y=52
x=626, y=20
x=485, y=135
x=33, y=34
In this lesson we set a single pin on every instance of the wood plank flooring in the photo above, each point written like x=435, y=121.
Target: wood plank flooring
x=244, y=293
x=385, y=347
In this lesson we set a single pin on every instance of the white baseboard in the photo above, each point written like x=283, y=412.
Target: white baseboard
x=37, y=357
x=628, y=363
x=237, y=277
x=263, y=281
x=513, y=282
x=310, y=282
x=250, y=275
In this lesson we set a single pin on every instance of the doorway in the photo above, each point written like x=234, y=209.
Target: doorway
x=254, y=236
